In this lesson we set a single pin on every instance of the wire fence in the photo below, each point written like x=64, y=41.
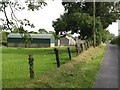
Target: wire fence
x=38, y=63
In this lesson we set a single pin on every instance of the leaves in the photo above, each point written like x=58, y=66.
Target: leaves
x=42, y=31
x=32, y=5
x=74, y=22
x=78, y=18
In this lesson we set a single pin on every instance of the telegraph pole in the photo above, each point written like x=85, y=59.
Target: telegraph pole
x=94, y=29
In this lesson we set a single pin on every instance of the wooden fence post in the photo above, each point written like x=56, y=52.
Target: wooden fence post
x=31, y=64
x=81, y=47
x=88, y=44
x=76, y=49
x=57, y=57
x=69, y=53
x=85, y=46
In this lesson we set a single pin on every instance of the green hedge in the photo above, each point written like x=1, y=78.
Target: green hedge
x=116, y=40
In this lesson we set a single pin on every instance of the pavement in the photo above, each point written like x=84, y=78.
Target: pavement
x=108, y=73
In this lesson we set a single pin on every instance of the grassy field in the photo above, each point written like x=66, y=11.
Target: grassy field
x=15, y=67
x=80, y=72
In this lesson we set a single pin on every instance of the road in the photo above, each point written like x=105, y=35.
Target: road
x=108, y=73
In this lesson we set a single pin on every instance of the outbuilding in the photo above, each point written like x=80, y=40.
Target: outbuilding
x=37, y=40
x=65, y=41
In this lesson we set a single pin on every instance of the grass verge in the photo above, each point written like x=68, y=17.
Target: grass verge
x=80, y=72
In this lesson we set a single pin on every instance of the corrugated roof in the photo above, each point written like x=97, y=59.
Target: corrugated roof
x=17, y=35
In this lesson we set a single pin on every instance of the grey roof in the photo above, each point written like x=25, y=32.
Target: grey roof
x=17, y=35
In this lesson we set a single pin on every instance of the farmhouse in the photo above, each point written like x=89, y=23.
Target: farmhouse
x=65, y=41
x=38, y=40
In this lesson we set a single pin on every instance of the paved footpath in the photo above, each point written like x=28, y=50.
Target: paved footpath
x=108, y=73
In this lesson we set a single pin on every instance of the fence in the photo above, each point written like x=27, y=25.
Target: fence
x=21, y=64
x=77, y=49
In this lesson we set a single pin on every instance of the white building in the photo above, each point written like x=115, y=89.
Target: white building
x=65, y=41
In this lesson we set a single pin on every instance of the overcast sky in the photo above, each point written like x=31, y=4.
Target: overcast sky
x=44, y=17
x=113, y=28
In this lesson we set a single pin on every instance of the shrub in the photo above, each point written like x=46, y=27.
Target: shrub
x=116, y=40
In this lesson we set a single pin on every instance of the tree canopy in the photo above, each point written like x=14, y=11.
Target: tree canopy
x=78, y=18
x=42, y=31
x=107, y=11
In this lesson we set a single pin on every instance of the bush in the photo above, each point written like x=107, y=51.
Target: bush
x=116, y=40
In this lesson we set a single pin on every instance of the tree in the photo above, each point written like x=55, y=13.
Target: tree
x=74, y=22
x=116, y=40
x=70, y=35
x=107, y=11
x=98, y=31
x=12, y=22
x=4, y=34
x=60, y=24
x=26, y=38
x=33, y=32
x=78, y=18
x=112, y=36
x=25, y=35
x=55, y=35
x=16, y=30
x=105, y=35
x=42, y=31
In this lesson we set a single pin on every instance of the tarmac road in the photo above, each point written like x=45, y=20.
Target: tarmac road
x=108, y=73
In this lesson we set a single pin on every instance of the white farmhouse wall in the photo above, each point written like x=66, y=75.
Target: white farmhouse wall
x=52, y=45
x=57, y=43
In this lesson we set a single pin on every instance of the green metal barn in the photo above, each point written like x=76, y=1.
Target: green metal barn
x=38, y=40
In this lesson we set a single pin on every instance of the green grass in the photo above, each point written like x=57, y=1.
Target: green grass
x=80, y=72
x=15, y=67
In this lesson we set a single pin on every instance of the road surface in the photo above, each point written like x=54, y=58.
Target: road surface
x=108, y=73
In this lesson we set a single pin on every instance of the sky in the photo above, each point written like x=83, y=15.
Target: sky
x=113, y=28
x=44, y=17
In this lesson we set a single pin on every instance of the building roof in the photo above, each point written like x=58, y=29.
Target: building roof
x=42, y=36
x=70, y=38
